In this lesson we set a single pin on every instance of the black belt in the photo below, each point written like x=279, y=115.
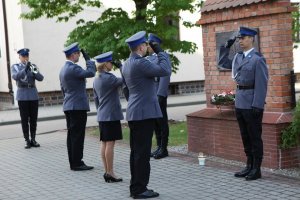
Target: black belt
x=245, y=87
x=26, y=86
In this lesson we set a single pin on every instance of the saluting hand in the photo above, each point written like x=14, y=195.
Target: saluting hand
x=230, y=42
x=156, y=47
x=117, y=63
x=85, y=55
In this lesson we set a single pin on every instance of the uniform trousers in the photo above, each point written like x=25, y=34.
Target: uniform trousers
x=250, y=124
x=29, y=113
x=141, y=133
x=76, y=123
x=162, y=125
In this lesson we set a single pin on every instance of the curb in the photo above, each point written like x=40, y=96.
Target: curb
x=62, y=116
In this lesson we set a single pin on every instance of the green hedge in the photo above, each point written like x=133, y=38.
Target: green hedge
x=290, y=135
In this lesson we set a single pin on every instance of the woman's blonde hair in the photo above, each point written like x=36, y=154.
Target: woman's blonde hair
x=100, y=68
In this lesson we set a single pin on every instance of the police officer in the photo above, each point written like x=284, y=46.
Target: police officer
x=75, y=106
x=250, y=72
x=143, y=108
x=25, y=74
x=109, y=112
x=161, y=124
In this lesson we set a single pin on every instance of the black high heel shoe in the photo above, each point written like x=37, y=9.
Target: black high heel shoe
x=110, y=179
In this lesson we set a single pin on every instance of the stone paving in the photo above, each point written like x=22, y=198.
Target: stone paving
x=43, y=174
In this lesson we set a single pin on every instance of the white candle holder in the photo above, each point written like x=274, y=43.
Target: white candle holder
x=201, y=159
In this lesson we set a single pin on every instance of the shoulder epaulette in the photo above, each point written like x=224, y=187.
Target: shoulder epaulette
x=259, y=54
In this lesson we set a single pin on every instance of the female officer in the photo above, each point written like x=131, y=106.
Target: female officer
x=109, y=112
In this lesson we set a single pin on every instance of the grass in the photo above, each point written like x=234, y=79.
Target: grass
x=177, y=136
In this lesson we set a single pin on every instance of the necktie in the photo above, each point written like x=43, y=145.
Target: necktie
x=243, y=56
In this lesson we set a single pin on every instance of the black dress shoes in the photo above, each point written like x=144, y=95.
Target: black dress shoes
x=146, y=195
x=27, y=144
x=155, y=152
x=82, y=168
x=162, y=153
x=253, y=175
x=34, y=143
x=244, y=172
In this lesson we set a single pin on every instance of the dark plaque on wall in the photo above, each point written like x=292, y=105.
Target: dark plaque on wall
x=221, y=39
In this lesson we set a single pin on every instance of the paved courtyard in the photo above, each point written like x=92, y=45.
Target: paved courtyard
x=43, y=174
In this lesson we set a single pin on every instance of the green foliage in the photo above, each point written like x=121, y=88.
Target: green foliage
x=290, y=135
x=296, y=24
x=114, y=25
x=177, y=136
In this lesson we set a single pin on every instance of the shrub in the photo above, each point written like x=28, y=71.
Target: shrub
x=290, y=135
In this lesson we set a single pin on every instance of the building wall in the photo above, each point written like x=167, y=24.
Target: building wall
x=3, y=71
x=45, y=38
x=275, y=44
x=15, y=32
x=214, y=130
x=216, y=133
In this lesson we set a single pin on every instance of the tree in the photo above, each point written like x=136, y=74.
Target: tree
x=114, y=25
x=296, y=23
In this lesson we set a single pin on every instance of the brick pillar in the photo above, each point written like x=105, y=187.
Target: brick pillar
x=219, y=133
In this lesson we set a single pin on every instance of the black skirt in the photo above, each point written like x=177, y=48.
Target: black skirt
x=110, y=131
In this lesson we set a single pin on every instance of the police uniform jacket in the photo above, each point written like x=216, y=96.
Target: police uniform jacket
x=162, y=83
x=26, y=82
x=139, y=74
x=249, y=71
x=107, y=97
x=73, y=85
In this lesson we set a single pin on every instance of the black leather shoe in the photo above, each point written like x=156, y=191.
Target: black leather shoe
x=161, y=154
x=244, y=172
x=253, y=175
x=155, y=152
x=146, y=195
x=27, y=144
x=82, y=168
x=255, y=172
x=34, y=143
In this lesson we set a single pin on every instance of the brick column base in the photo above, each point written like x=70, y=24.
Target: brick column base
x=216, y=132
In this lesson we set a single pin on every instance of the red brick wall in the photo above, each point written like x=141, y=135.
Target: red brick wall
x=219, y=136
x=274, y=23
x=217, y=133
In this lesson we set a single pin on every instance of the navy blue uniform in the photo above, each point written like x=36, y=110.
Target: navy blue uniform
x=161, y=124
x=76, y=104
x=250, y=71
x=142, y=110
x=27, y=96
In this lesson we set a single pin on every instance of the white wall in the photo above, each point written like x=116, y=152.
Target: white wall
x=297, y=59
x=45, y=38
x=3, y=63
x=15, y=37
x=191, y=67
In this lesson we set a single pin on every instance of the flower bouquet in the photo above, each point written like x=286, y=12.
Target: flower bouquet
x=223, y=99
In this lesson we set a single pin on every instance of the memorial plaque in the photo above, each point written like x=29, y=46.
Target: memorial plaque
x=221, y=39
